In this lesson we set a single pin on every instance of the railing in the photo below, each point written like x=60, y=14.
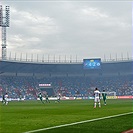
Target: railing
x=64, y=61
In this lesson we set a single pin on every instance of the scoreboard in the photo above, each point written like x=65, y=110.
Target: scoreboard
x=92, y=63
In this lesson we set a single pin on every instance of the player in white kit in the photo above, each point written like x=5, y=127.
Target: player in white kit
x=6, y=98
x=97, y=98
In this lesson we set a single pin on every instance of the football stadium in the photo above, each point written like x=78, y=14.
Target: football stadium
x=23, y=81
x=90, y=95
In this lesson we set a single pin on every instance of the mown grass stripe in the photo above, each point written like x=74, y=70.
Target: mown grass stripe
x=80, y=122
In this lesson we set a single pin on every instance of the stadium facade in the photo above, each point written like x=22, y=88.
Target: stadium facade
x=64, y=69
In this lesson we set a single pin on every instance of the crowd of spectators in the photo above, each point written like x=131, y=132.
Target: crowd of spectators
x=28, y=87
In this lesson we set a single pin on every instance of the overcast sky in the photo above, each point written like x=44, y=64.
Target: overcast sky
x=84, y=29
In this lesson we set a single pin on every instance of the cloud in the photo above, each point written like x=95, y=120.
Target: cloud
x=94, y=12
x=85, y=29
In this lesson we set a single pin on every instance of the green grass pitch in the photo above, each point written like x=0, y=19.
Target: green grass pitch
x=23, y=116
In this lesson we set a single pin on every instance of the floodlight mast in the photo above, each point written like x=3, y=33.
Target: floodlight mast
x=4, y=22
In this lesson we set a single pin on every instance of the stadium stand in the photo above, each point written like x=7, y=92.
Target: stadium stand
x=22, y=79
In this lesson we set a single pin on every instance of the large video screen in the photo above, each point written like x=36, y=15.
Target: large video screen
x=92, y=63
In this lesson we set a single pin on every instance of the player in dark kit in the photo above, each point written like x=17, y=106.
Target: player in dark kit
x=3, y=99
x=40, y=97
x=104, y=94
x=58, y=98
x=47, y=99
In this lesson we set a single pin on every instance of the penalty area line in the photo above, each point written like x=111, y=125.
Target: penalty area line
x=80, y=122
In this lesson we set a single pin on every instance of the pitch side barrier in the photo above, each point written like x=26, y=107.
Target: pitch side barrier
x=72, y=98
x=125, y=97
x=115, y=97
x=108, y=97
x=62, y=98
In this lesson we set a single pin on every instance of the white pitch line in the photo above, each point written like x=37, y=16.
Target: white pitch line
x=75, y=123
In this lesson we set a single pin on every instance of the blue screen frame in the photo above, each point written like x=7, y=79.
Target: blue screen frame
x=92, y=63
